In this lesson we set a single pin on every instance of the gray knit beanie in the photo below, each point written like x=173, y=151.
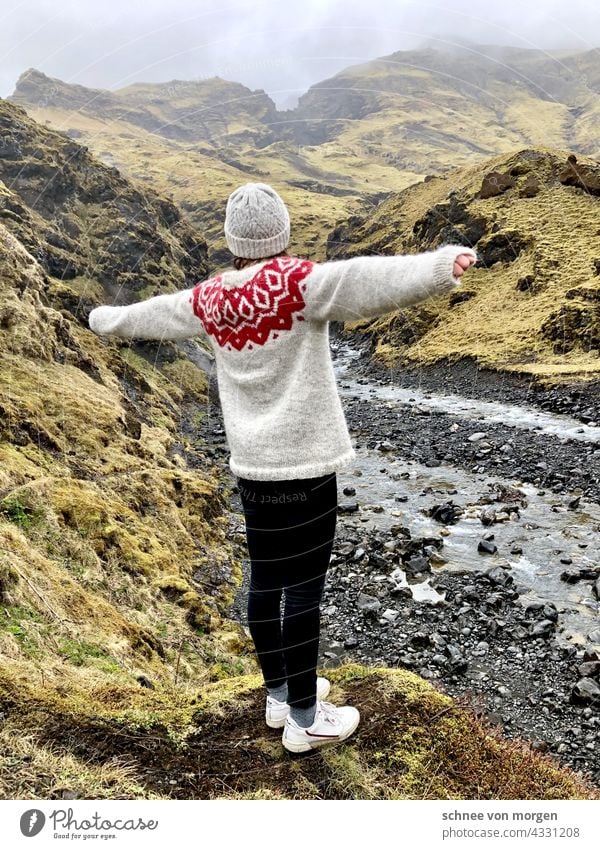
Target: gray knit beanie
x=257, y=223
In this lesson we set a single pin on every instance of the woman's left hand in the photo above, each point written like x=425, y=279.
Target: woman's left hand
x=461, y=263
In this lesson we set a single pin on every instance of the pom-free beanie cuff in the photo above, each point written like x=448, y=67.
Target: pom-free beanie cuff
x=258, y=248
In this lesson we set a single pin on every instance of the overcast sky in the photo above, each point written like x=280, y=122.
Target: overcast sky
x=280, y=46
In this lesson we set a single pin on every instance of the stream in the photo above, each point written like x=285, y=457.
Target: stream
x=558, y=531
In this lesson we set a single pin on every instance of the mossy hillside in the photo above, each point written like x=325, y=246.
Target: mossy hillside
x=457, y=105
x=530, y=304
x=85, y=222
x=113, y=550
x=211, y=741
x=116, y=565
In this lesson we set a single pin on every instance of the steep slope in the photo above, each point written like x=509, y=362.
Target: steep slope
x=197, y=141
x=456, y=105
x=531, y=303
x=115, y=562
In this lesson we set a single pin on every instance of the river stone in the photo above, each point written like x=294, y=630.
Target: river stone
x=585, y=690
x=475, y=437
x=498, y=575
x=591, y=669
x=542, y=629
x=349, y=490
x=419, y=639
x=368, y=603
x=348, y=507
x=390, y=615
x=447, y=513
x=416, y=564
x=486, y=547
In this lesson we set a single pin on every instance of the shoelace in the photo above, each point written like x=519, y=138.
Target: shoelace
x=329, y=712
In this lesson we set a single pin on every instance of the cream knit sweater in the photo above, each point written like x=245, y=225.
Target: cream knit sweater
x=268, y=327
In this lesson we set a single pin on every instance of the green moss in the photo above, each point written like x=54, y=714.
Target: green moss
x=15, y=620
x=82, y=652
x=20, y=512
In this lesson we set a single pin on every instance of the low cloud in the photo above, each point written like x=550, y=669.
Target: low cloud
x=263, y=44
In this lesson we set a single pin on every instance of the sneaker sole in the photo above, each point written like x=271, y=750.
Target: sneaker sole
x=297, y=748
x=279, y=723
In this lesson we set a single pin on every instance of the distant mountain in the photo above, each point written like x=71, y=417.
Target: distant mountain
x=372, y=129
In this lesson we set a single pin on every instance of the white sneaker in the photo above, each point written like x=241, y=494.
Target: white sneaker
x=276, y=712
x=331, y=725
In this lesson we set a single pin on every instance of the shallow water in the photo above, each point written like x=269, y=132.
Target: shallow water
x=546, y=530
x=484, y=412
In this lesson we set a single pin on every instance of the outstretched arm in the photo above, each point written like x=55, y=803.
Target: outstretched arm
x=168, y=316
x=368, y=286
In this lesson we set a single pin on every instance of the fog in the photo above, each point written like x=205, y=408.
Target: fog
x=262, y=44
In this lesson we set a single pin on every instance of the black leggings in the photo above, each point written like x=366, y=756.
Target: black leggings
x=290, y=527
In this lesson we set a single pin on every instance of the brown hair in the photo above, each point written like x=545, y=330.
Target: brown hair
x=240, y=262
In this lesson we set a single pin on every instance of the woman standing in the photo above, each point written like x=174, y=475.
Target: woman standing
x=267, y=323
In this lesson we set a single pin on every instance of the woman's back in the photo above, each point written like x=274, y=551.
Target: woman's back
x=281, y=408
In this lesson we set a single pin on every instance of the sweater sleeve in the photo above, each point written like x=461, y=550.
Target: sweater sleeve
x=169, y=316
x=368, y=286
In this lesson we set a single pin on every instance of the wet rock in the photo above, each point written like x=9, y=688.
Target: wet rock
x=349, y=490
x=390, y=615
x=347, y=507
x=516, y=550
x=448, y=513
x=476, y=437
x=586, y=690
x=488, y=516
x=145, y=682
x=572, y=576
x=416, y=565
x=487, y=547
x=419, y=639
x=498, y=575
x=400, y=530
x=350, y=643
